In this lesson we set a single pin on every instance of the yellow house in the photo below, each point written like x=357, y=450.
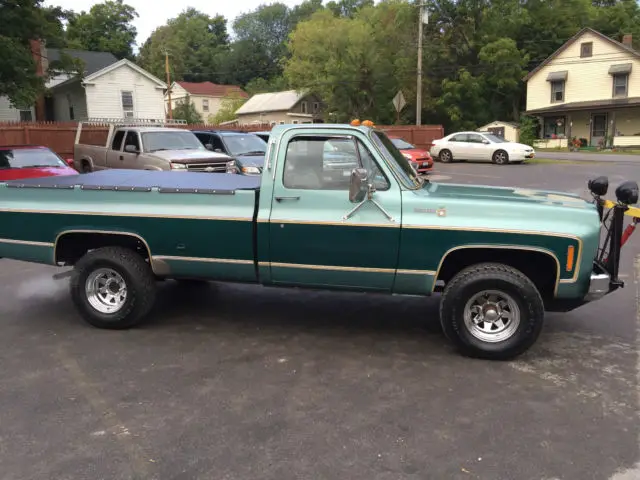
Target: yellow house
x=588, y=89
x=206, y=96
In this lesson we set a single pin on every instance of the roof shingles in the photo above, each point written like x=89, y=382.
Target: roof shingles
x=93, y=61
x=212, y=89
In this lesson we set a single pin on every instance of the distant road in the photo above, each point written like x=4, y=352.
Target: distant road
x=593, y=157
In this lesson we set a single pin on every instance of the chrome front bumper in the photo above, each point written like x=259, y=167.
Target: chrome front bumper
x=599, y=286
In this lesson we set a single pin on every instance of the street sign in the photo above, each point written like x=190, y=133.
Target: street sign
x=398, y=101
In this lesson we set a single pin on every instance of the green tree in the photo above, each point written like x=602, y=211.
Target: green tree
x=260, y=85
x=106, y=27
x=22, y=21
x=185, y=109
x=227, y=109
x=194, y=41
x=356, y=64
x=528, y=130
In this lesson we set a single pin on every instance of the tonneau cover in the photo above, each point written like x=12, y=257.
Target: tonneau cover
x=146, y=180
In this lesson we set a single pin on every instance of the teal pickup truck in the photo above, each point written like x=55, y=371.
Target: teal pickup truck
x=499, y=256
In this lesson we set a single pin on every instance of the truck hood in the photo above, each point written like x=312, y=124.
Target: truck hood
x=481, y=193
x=191, y=156
x=479, y=208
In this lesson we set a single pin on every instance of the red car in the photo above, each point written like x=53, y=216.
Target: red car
x=29, y=161
x=420, y=159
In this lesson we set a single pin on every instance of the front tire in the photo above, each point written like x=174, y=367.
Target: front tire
x=492, y=311
x=500, y=157
x=113, y=288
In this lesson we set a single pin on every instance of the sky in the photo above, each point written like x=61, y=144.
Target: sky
x=154, y=13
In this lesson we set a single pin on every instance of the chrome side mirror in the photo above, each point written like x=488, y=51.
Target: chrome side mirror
x=358, y=186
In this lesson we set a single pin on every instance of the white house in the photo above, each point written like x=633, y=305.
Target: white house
x=108, y=88
x=121, y=89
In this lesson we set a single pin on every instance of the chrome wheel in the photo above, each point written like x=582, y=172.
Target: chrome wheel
x=106, y=290
x=445, y=156
x=492, y=316
x=501, y=158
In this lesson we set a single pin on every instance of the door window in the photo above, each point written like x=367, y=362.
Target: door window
x=461, y=137
x=599, y=125
x=216, y=141
x=132, y=139
x=116, y=143
x=474, y=138
x=326, y=163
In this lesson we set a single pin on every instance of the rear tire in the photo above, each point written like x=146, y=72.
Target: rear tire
x=113, y=288
x=445, y=156
x=491, y=311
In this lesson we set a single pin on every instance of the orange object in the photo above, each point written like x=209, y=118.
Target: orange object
x=570, y=257
x=367, y=123
x=355, y=122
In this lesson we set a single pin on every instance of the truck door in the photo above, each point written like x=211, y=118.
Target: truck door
x=129, y=159
x=115, y=149
x=313, y=241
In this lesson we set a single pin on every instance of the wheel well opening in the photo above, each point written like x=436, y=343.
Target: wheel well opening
x=72, y=246
x=540, y=267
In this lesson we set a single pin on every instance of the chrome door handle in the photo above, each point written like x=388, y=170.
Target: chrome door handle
x=280, y=199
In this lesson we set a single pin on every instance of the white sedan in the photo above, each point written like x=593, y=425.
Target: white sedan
x=480, y=147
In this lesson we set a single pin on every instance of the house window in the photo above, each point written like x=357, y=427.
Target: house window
x=205, y=105
x=554, y=127
x=26, y=116
x=586, y=49
x=316, y=107
x=620, y=85
x=304, y=107
x=557, y=91
x=281, y=122
x=295, y=122
x=127, y=103
x=72, y=113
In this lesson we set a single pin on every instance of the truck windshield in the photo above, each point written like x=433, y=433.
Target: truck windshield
x=156, y=141
x=397, y=161
x=240, y=144
x=28, y=158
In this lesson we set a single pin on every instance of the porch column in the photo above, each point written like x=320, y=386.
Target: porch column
x=568, y=129
x=612, y=132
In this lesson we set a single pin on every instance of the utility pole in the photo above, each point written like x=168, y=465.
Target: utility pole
x=419, y=84
x=166, y=68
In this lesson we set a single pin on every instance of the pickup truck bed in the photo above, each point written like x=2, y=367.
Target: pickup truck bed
x=165, y=181
x=154, y=207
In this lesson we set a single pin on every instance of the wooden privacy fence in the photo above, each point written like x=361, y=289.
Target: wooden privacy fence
x=60, y=136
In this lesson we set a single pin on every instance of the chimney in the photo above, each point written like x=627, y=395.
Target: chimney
x=38, y=54
x=627, y=40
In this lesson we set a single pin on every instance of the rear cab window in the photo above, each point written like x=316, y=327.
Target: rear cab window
x=116, y=143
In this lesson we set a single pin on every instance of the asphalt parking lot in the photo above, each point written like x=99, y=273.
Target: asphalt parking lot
x=242, y=382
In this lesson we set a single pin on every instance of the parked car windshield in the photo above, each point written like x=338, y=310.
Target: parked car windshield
x=397, y=161
x=401, y=144
x=494, y=138
x=29, y=158
x=242, y=144
x=156, y=141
